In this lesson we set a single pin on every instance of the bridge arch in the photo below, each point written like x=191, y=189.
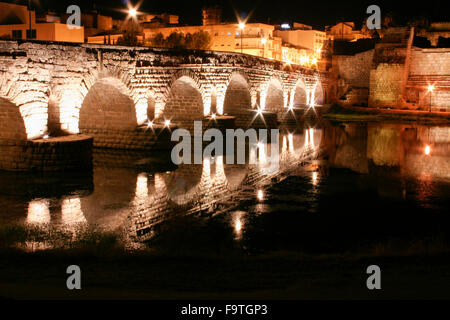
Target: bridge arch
x=237, y=95
x=108, y=105
x=300, y=94
x=13, y=125
x=318, y=94
x=274, y=98
x=184, y=100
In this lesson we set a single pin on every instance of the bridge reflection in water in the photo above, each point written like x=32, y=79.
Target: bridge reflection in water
x=133, y=194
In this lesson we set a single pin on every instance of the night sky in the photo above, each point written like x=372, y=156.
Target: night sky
x=314, y=12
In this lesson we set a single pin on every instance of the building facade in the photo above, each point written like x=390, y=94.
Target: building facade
x=17, y=22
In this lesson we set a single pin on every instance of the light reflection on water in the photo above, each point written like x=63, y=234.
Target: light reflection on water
x=134, y=200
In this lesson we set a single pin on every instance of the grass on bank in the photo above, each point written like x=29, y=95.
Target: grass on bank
x=339, y=113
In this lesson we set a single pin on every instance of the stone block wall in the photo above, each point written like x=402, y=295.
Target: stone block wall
x=62, y=154
x=386, y=82
x=139, y=138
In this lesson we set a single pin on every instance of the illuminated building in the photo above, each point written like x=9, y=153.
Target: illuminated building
x=17, y=22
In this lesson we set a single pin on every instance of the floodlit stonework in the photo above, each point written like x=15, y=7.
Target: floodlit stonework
x=112, y=93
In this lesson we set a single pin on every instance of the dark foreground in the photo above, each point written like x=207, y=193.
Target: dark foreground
x=275, y=276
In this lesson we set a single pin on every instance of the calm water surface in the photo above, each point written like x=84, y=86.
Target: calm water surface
x=339, y=187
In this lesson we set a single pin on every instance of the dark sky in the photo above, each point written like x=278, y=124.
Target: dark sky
x=314, y=12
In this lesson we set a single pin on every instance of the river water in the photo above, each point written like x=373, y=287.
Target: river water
x=338, y=187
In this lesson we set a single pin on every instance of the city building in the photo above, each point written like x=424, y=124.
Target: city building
x=253, y=38
x=17, y=22
x=94, y=23
x=303, y=36
x=345, y=31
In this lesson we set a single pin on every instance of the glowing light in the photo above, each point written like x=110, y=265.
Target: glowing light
x=285, y=26
x=263, y=40
x=427, y=150
x=291, y=142
x=71, y=213
x=142, y=186
x=238, y=225
x=314, y=61
x=259, y=111
x=38, y=212
x=132, y=12
x=213, y=116
x=167, y=123
x=311, y=136
x=314, y=178
x=430, y=88
x=150, y=124
x=241, y=25
x=141, y=111
x=46, y=136
x=260, y=195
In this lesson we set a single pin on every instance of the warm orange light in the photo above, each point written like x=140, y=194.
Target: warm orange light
x=167, y=123
x=241, y=25
x=213, y=116
x=263, y=40
x=427, y=150
x=430, y=88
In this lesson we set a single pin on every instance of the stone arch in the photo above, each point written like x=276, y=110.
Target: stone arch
x=108, y=105
x=318, y=94
x=237, y=96
x=30, y=97
x=67, y=98
x=300, y=94
x=274, y=99
x=184, y=103
x=195, y=81
x=13, y=125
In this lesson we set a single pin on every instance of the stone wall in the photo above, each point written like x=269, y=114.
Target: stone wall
x=58, y=154
x=429, y=66
x=108, y=92
x=386, y=82
x=394, y=75
x=353, y=77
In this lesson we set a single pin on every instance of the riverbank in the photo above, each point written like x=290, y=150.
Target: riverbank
x=339, y=113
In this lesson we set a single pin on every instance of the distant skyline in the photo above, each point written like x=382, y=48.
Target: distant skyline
x=315, y=13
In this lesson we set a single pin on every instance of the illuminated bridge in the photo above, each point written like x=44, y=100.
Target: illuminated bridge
x=50, y=93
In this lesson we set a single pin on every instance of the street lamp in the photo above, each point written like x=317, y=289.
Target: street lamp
x=132, y=12
x=242, y=27
x=430, y=90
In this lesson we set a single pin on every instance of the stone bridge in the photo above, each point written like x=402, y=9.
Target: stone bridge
x=113, y=93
